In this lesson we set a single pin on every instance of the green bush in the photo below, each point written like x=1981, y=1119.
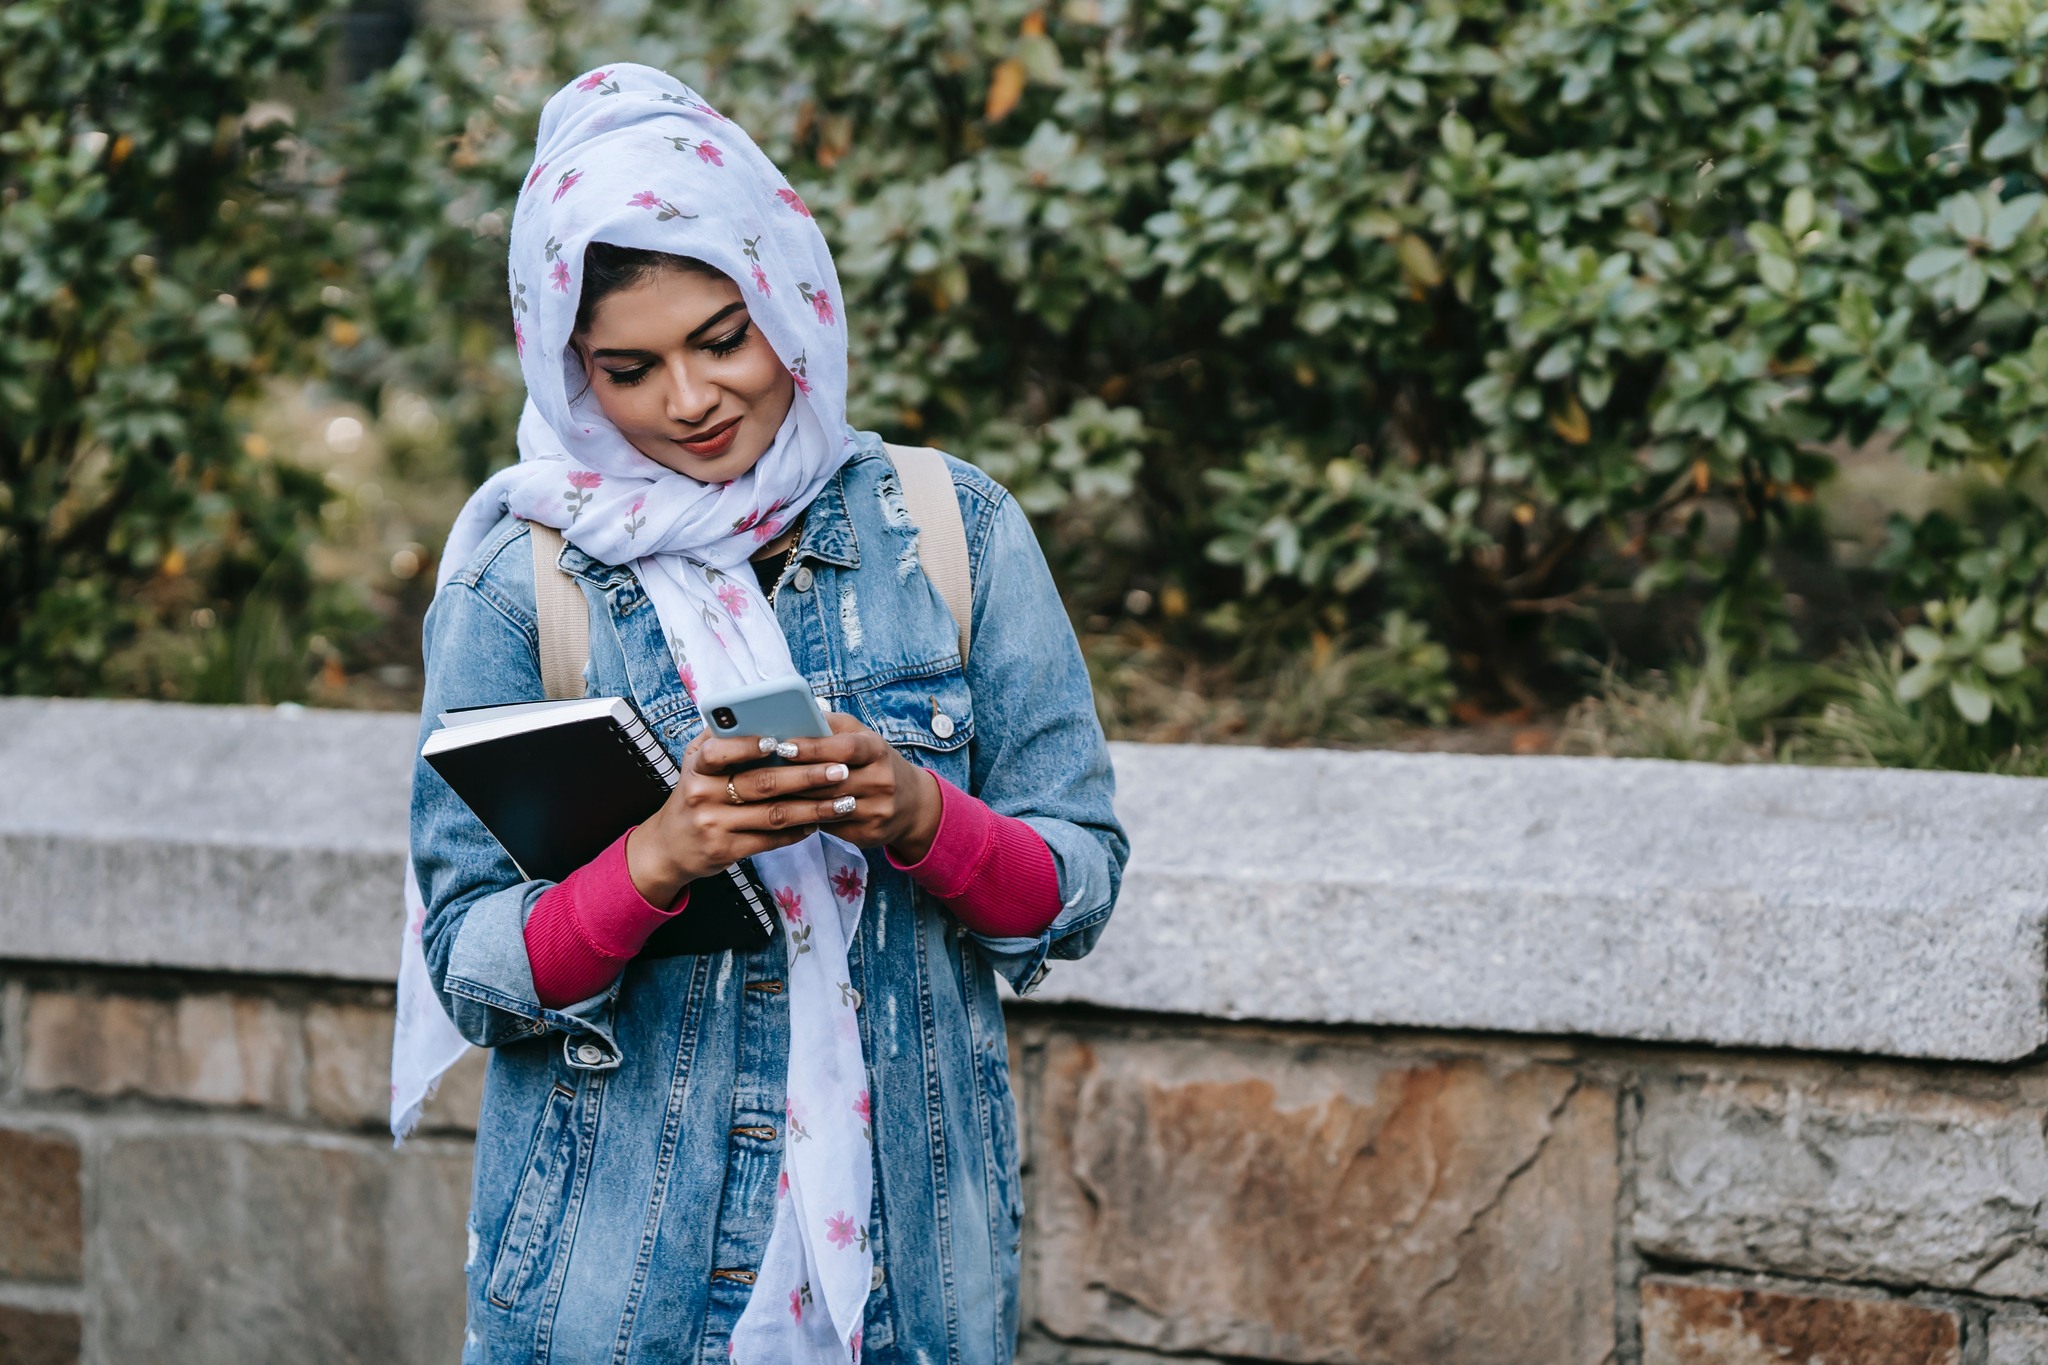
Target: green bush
x=1520, y=334
x=1534, y=323
x=157, y=259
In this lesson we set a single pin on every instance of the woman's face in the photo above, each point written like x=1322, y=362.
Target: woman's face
x=680, y=369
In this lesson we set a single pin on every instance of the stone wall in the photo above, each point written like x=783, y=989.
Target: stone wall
x=1439, y=1062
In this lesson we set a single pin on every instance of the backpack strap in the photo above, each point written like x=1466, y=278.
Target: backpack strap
x=941, y=533
x=563, y=616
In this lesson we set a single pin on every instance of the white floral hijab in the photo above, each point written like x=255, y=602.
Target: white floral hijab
x=627, y=155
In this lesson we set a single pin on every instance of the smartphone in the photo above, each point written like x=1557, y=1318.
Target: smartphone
x=782, y=707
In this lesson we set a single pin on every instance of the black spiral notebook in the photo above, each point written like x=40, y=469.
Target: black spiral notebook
x=555, y=782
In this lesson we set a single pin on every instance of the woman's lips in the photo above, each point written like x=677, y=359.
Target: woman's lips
x=714, y=442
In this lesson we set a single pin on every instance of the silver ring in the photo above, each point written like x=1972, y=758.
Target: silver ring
x=731, y=794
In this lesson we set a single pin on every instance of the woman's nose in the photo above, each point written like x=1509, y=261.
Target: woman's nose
x=690, y=399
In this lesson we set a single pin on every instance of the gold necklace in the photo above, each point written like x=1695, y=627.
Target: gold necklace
x=796, y=538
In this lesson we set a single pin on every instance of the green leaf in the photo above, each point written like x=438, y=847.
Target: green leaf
x=1973, y=703
x=2016, y=135
x=2004, y=657
x=1978, y=620
x=1456, y=135
x=1778, y=273
x=1922, y=643
x=2011, y=218
x=1969, y=285
x=1965, y=214
x=1918, y=681
x=1798, y=215
x=1933, y=261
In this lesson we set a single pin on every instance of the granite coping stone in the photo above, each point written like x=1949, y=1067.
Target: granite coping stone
x=1884, y=912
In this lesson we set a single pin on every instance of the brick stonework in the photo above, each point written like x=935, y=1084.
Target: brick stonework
x=32, y=1338
x=1322, y=1203
x=1686, y=1323
x=213, y=1048
x=39, y=1206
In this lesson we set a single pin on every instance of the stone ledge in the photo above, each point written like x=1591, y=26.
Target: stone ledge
x=1901, y=914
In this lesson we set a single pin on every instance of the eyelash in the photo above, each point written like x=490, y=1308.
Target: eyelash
x=726, y=345
x=720, y=349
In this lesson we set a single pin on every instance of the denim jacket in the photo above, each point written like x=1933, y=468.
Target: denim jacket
x=629, y=1145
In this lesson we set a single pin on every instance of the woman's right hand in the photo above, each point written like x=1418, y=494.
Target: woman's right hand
x=699, y=830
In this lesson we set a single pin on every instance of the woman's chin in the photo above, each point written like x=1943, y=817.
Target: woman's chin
x=722, y=469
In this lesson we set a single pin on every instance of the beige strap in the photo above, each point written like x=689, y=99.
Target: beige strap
x=563, y=614
x=941, y=535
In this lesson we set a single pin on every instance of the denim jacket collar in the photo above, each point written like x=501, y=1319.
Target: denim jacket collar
x=828, y=539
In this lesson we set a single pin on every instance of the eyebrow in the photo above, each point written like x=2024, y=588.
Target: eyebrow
x=700, y=330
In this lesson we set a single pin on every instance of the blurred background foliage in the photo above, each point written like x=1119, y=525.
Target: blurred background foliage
x=1615, y=375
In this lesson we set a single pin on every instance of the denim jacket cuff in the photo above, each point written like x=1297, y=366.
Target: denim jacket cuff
x=1019, y=961
x=490, y=992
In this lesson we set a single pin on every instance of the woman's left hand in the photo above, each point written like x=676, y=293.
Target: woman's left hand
x=895, y=802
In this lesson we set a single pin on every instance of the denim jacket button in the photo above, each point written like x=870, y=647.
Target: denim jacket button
x=590, y=1054
x=942, y=725
x=800, y=581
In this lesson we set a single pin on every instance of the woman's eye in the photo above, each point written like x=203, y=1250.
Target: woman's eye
x=731, y=341
x=628, y=378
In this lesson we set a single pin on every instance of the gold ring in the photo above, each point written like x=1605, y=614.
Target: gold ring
x=732, y=794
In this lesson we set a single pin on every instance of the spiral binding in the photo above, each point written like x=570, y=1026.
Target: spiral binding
x=651, y=749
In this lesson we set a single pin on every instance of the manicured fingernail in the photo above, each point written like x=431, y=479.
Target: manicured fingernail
x=769, y=744
x=786, y=749
x=835, y=772
x=843, y=806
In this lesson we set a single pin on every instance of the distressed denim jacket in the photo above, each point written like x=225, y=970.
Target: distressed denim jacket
x=629, y=1145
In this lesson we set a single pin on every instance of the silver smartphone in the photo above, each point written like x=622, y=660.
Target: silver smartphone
x=782, y=707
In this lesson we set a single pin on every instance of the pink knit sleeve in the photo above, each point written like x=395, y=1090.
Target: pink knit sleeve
x=585, y=929
x=992, y=871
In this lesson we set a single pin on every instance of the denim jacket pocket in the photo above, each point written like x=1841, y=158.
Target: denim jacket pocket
x=934, y=713
x=538, y=1198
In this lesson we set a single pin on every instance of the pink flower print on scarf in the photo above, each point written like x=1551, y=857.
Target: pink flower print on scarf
x=847, y=884
x=648, y=199
x=863, y=1108
x=600, y=81
x=820, y=301
x=800, y=1299
x=733, y=598
x=853, y=1345
x=566, y=183
x=793, y=1119
x=635, y=523
x=800, y=371
x=706, y=151
x=559, y=276
x=791, y=902
x=538, y=172
x=782, y=1186
x=794, y=200
x=841, y=1231
x=519, y=336
x=768, y=527
x=581, y=481
x=751, y=246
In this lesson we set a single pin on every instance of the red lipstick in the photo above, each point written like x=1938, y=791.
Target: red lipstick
x=714, y=442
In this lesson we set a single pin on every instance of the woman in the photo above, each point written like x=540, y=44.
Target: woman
x=805, y=1152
